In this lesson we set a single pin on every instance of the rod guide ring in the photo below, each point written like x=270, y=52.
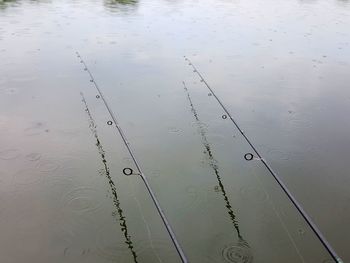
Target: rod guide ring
x=128, y=171
x=248, y=156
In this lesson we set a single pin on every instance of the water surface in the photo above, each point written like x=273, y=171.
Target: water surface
x=280, y=67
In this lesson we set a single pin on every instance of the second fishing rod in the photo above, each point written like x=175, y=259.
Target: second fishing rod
x=249, y=157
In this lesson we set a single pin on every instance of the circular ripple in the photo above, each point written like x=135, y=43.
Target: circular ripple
x=10, y=154
x=83, y=199
x=254, y=194
x=48, y=166
x=237, y=254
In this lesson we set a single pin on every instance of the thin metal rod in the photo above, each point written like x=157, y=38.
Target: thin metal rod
x=298, y=206
x=138, y=167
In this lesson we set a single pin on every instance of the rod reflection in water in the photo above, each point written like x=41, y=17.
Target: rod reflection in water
x=116, y=202
x=214, y=165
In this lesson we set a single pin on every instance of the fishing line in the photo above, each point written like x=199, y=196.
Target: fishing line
x=249, y=157
x=138, y=167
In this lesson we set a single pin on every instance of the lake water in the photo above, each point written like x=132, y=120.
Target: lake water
x=281, y=68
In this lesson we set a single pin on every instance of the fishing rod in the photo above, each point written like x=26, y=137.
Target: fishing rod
x=129, y=171
x=250, y=157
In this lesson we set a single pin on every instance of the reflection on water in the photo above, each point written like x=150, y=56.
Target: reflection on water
x=240, y=252
x=6, y=3
x=15, y=3
x=119, y=210
x=120, y=2
x=120, y=5
x=213, y=163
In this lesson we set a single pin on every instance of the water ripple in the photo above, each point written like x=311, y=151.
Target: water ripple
x=48, y=165
x=238, y=253
x=82, y=199
x=10, y=154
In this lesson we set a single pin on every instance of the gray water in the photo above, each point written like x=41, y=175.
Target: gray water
x=281, y=69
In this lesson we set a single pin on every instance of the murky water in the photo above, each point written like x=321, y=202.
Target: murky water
x=281, y=69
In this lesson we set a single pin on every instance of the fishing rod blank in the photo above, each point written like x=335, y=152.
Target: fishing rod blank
x=129, y=171
x=249, y=157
